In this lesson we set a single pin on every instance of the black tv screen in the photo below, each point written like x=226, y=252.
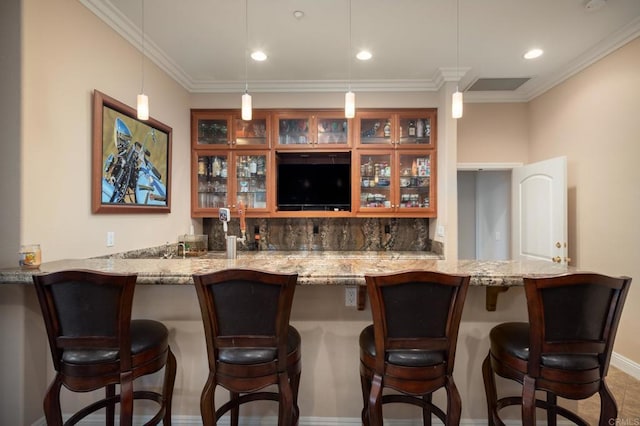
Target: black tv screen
x=313, y=185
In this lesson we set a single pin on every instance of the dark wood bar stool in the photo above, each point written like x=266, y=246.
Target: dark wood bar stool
x=250, y=344
x=411, y=346
x=563, y=351
x=95, y=344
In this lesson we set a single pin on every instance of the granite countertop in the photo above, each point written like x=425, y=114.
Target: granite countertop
x=313, y=267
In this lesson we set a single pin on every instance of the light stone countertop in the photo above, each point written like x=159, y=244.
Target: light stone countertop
x=313, y=267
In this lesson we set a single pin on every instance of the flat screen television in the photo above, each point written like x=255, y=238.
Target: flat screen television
x=319, y=182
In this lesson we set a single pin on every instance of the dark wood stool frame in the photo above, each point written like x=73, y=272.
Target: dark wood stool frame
x=250, y=344
x=95, y=344
x=416, y=318
x=562, y=360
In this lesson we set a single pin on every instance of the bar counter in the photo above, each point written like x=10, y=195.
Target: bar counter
x=313, y=267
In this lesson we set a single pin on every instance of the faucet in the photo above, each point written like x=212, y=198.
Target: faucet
x=224, y=215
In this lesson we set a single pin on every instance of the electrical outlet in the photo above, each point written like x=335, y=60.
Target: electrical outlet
x=111, y=239
x=350, y=296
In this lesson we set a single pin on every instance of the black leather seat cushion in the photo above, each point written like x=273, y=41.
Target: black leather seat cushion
x=513, y=338
x=145, y=334
x=405, y=357
x=247, y=356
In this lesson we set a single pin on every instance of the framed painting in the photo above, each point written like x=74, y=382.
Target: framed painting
x=131, y=164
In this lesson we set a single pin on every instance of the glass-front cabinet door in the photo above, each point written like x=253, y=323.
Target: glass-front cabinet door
x=414, y=128
x=389, y=128
x=222, y=179
x=332, y=128
x=251, y=178
x=211, y=182
x=253, y=133
x=322, y=129
x=375, y=170
x=226, y=130
x=375, y=128
x=213, y=130
x=414, y=181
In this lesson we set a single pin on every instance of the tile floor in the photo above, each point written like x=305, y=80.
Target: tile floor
x=626, y=390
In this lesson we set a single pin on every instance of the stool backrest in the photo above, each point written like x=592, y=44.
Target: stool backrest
x=86, y=310
x=416, y=310
x=243, y=308
x=574, y=314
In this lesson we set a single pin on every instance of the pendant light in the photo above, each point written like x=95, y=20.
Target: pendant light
x=456, y=99
x=246, y=98
x=143, y=100
x=349, y=97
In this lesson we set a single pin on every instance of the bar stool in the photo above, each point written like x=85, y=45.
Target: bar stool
x=411, y=346
x=95, y=344
x=250, y=344
x=563, y=351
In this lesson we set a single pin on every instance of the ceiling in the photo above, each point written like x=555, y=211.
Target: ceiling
x=203, y=44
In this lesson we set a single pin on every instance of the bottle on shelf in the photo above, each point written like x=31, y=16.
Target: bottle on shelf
x=412, y=129
x=387, y=129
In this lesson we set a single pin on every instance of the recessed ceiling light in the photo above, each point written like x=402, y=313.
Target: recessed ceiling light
x=258, y=55
x=298, y=14
x=533, y=53
x=364, y=55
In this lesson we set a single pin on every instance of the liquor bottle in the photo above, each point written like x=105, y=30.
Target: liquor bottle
x=387, y=129
x=412, y=129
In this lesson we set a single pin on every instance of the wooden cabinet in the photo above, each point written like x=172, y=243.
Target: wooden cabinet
x=214, y=129
x=311, y=129
x=222, y=179
x=384, y=128
x=230, y=162
x=394, y=182
x=394, y=163
x=393, y=159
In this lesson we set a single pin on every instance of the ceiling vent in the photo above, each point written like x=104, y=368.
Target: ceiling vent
x=492, y=84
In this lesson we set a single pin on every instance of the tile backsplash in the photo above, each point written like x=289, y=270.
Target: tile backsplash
x=327, y=234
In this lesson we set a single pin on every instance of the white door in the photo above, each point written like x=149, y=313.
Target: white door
x=539, y=211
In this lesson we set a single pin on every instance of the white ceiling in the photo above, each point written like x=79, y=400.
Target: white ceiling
x=203, y=43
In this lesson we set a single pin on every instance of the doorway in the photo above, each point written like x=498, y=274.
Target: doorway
x=484, y=214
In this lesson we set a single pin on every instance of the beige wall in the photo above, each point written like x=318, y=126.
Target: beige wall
x=594, y=119
x=493, y=133
x=69, y=52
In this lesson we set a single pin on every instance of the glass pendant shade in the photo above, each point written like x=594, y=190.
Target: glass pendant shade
x=349, y=104
x=456, y=104
x=246, y=107
x=143, y=107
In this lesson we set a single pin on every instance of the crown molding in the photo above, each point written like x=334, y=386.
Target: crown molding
x=530, y=90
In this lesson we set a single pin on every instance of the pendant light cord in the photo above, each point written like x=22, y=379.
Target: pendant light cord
x=142, y=56
x=350, y=48
x=457, y=45
x=246, y=45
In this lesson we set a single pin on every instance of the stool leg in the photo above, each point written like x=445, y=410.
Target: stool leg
x=375, y=401
x=51, y=404
x=235, y=410
x=126, y=398
x=528, y=401
x=167, y=387
x=552, y=413
x=365, y=383
x=207, y=402
x=295, y=386
x=285, y=409
x=110, y=409
x=454, y=403
x=426, y=409
x=490, y=390
x=608, y=406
